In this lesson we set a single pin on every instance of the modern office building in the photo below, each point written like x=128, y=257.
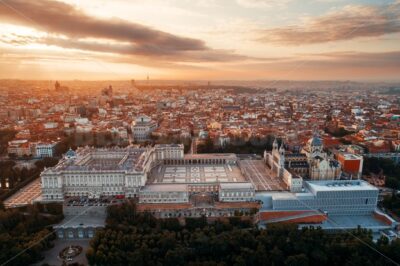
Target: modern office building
x=43, y=150
x=333, y=205
x=23, y=147
x=336, y=197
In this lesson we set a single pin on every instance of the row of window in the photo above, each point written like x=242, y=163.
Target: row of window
x=57, y=196
x=359, y=204
x=233, y=194
x=234, y=199
x=84, y=180
x=108, y=193
x=79, y=234
x=163, y=195
x=163, y=200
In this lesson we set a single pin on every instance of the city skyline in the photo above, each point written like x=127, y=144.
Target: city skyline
x=200, y=132
x=203, y=40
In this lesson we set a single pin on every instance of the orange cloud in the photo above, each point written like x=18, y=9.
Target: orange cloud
x=69, y=27
x=348, y=23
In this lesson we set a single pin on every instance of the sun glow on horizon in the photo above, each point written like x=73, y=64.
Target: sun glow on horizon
x=201, y=40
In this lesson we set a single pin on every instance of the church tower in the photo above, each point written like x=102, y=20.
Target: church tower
x=282, y=156
x=281, y=159
x=315, y=144
x=275, y=145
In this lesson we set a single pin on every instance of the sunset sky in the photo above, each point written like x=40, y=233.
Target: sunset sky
x=200, y=39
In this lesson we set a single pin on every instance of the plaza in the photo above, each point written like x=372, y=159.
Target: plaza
x=262, y=178
x=201, y=173
x=26, y=195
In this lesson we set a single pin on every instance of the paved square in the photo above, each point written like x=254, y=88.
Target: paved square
x=198, y=173
x=26, y=195
x=175, y=169
x=261, y=176
x=176, y=175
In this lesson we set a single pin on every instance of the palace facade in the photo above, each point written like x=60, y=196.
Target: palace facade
x=159, y=174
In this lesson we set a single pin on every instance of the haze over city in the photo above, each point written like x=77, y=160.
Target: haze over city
x=200, y=39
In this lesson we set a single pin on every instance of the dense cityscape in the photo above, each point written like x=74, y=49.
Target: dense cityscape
x=200, y=133
x=261, y=155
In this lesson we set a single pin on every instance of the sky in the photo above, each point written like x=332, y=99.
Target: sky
x=200, y=39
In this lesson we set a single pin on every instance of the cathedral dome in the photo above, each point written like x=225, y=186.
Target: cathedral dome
x=70, y=153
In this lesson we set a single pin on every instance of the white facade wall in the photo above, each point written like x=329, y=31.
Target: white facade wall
x=236, y=192
x=294, y=184
x=173, y=151
x=61, y=181
x=336, y=201
x=164, y=197
x=234, y=195
x=92, y=184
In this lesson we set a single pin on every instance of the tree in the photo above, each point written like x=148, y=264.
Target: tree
x=21, y=229
x=297, y=260
x=174, y=257
x=134, y=241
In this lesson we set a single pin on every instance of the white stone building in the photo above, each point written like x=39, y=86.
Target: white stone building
x=321, y=167
x=312, y=163
x=19, y=148
x=164, y=193
x=135, y=172
x=142, y=128
x=169, y=151
x=98, y=172
x=236, y=192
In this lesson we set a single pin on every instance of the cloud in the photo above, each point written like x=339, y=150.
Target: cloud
x=314, y=66
x=17, y=39
x=337, y=60
x=63, y=19
x=329, y=66
x=69, y=27
x=353, y=21
x=136, y=52
x=358, y=59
